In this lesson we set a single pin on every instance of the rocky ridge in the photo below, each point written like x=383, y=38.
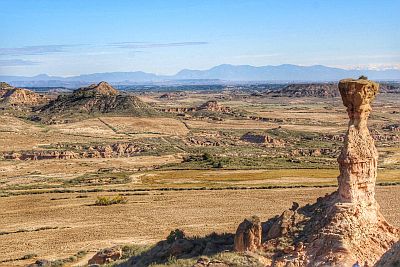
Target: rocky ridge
x=115, y=150
x=323, y=90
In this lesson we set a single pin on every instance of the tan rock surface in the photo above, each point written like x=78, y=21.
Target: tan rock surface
x=106, y=255
x=248, y=235
x=19, y=97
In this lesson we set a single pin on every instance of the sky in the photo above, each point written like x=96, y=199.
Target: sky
x=72, y=37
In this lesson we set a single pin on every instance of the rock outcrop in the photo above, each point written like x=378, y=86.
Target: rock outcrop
x=265, y=139
x=214, y=106
x=106, y=255
x=116, y=150
x=248, y=235
x=18, y=97
x=102, y=88
x=392, y=127
x=345, y=226
x=322, y=90
x=211, y=106
x=359, y=158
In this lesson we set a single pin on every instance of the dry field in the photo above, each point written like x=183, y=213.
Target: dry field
x=71, y=223
x=129, y=125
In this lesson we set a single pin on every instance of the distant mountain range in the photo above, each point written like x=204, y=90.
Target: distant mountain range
x=219, y=74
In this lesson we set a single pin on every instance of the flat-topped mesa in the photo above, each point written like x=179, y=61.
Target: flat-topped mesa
x=359, y=157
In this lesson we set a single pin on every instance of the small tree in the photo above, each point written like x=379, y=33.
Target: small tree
x=175, y=235
x=362, y=77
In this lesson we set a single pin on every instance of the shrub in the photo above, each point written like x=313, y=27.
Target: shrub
x=217, y=164
x=133, y=250
x=175, y=235
x=107, y=201
x=362, y=77
x=28, y=256
x=207, y=156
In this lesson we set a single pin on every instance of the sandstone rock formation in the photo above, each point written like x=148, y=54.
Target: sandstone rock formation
x=359, y=157
x=102, y=88
x=262, y=139
x=116, y=150
x=214, y=106
x=106, y=255
x=19, y=97
x=345, y=226
x=248, y=235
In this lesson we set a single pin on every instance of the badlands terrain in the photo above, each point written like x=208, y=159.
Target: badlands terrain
x=199, y=159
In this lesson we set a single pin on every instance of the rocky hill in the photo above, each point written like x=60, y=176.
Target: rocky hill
x=93, y=100
x=310, y=90
x=19, y=98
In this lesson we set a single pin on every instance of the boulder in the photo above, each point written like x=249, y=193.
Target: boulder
x=106, y=255
x=248, y=235
x=40, y=263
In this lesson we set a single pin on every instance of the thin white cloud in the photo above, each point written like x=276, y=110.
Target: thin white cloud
x=17, y=62
x=142, y=45
x=34, y=50
x=259, y=55
x=374, y=66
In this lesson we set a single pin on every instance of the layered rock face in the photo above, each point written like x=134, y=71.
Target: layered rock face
x=345, y=226
x=80, y=152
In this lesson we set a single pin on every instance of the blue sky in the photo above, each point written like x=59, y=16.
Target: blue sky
x=70, y=37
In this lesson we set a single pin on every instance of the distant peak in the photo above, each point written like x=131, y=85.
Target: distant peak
x=102, y=88
x=41, y=76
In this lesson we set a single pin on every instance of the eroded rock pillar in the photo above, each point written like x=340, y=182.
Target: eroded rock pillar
x=248, y=235
x=358, y=159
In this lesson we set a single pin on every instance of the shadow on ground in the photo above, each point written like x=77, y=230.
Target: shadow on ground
x=177, y=246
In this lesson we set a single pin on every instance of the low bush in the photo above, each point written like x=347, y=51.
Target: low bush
x=175, y=235
x=107, y=201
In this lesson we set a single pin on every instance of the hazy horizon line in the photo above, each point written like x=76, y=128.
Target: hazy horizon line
x=372, y=67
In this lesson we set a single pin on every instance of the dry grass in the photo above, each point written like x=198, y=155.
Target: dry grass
x=279, y=177
x=107, y=201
